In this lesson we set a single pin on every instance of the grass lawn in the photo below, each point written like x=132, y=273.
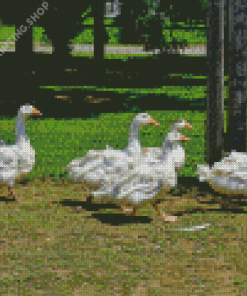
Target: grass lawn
x=50, y=248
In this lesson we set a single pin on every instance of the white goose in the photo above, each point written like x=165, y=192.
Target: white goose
x=178, y=151
x=228, y=176
x=97, y=166
x=147, y=178
x=17, y=160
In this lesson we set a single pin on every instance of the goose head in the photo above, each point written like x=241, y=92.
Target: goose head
x=181, y=124
x=175, y=138
x=172, y=149
x=172, y=141
x=27, y=110
x=134, y=144
x=145, y=119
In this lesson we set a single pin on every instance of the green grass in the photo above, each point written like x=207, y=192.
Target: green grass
x=181, y=93
x=73, y=138
x=6, y=32
x=49, y=248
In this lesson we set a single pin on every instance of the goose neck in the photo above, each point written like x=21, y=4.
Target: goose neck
x=173, y=129
x=167, y=150
x=20, y=131
x=133, y=139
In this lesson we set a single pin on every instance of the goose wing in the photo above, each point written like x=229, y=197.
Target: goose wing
x=8, y=165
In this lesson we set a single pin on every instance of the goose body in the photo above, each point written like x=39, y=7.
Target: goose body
x=17, y=160
x=229, y=176
x=105, y=169
x=142, y=183
x=100, y=166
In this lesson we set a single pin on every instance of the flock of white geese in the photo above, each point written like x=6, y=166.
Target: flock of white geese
x=131, y=177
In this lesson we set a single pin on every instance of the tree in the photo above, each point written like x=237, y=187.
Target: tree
x=215, y=81
x=98, y=8
x=236, y=125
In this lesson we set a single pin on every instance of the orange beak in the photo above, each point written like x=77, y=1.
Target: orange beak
x=36, y=112
x=153, y=122
x=183, y=138
x=188, y=126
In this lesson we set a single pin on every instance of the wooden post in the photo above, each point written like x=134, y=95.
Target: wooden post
x=215, y=81
x=236, y=124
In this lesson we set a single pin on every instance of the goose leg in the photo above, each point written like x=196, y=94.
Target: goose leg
x=135, y=208
x=163, y=215
x=89, y=199
x=133, y=212
x=11, y=193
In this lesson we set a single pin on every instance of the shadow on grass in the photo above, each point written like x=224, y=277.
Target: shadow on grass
x=204, y=194
x=107, y=218
x=6, y=199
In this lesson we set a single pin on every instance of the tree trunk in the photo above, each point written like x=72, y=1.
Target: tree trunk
x=236, y=131
x=99, y=38
x=215, y=81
